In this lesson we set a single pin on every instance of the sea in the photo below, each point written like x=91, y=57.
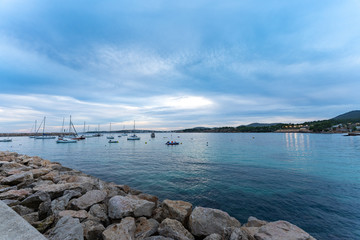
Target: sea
x=310, y=180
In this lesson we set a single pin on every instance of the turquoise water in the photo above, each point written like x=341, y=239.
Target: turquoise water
x=311, y=180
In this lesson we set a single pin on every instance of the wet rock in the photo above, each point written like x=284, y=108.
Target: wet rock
x=174, y=229
x=81, y=214
x=92, y=230
x=17, y=178
x=120, y=207
x=89, y=199
x=34, y=200
x=178, y=210
x=145, y=228
x=254, y=222
x=15, y=194
x=125, y=230
x=205, y=221
x=67, y=228
x=213, y=236
x=282, y=230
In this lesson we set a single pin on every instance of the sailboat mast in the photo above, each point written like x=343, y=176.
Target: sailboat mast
x=62, y=127
x=44, y=126
x=84, y=126
x=35, y=126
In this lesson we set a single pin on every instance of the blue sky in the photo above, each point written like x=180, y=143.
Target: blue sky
x=177, y=64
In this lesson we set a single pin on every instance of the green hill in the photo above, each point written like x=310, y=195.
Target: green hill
x=352, y=115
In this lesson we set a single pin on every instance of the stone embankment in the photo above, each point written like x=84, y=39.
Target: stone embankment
x=62, y=203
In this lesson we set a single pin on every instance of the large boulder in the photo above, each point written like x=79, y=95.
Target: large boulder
x=215, y=236
x=125, y=230
x=81, y=214
x=99, y=212
x=17, y=178
x=120, y=207
x=254, y=222
x=205, y=221
x=174, y=229
x=282, y=230
x=60, y=203
x=145, y=228
x=56, y=190
x=178, y=210
x=34, y=200
x=92, y=230
x=88, y=199
x=15, y=194
x=67, y=228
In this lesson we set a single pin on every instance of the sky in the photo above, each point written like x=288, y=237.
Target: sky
x=176, y=64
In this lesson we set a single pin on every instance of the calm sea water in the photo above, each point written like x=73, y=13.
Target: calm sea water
x=311, y=180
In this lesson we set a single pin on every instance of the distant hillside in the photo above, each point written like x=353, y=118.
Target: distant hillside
x=261, y=124
x=353, y=115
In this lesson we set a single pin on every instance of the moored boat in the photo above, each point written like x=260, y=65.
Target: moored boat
x=172, y=143
x=66, y=140
x=6, y=140
x=113, y=141
x=134, y=136
x=152, y=135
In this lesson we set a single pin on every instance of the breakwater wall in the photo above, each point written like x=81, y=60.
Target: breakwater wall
x=63, y=203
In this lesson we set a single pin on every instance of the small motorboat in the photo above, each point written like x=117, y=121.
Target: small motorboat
x=113, y=141
x=152, y=135
x=66, y=140
x=172, y=143
x=82, y=137
x=6, y=140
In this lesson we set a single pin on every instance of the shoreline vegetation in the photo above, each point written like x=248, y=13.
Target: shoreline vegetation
x=62, y=203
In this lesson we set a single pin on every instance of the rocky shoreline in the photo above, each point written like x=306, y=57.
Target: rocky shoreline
x=62, y=203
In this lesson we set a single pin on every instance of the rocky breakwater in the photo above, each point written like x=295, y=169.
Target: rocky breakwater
x=63, y=203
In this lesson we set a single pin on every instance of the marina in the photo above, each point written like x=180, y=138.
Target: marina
x=269, y=173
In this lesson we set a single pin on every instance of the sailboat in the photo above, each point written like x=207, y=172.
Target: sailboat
x=110, y=137
x=34, y=131
x=124, y=133
x=6, y=140
x=133, y=137
x=67, y=140
x=44, y=136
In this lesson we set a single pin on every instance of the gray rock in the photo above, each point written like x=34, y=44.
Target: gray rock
x=120, y=207
x=213, y=236
x=145, y=228
x=282, y=230
x=89, y=199
x=92, y=230
x=17, y=178
x=100, y=212
x=174, y=229
x=125, y=230
x=238, y=234
x=148, y=197
x=158, y=238
x=254, y=222
x=56, y=190
x=60, y=203
x=31, y=217
x=43, y=225
x=81, y=214
x=205, y=221
x=22, y=210
x=178, y=210
x=15, y=194
x=67, y=228
x=34, y=200
x=44, y=209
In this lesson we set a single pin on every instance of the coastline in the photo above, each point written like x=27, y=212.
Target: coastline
x=53, y=198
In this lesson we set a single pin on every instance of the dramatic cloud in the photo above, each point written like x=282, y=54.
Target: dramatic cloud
x=171, y=65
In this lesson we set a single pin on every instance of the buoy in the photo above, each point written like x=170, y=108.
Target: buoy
x=145, y=142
